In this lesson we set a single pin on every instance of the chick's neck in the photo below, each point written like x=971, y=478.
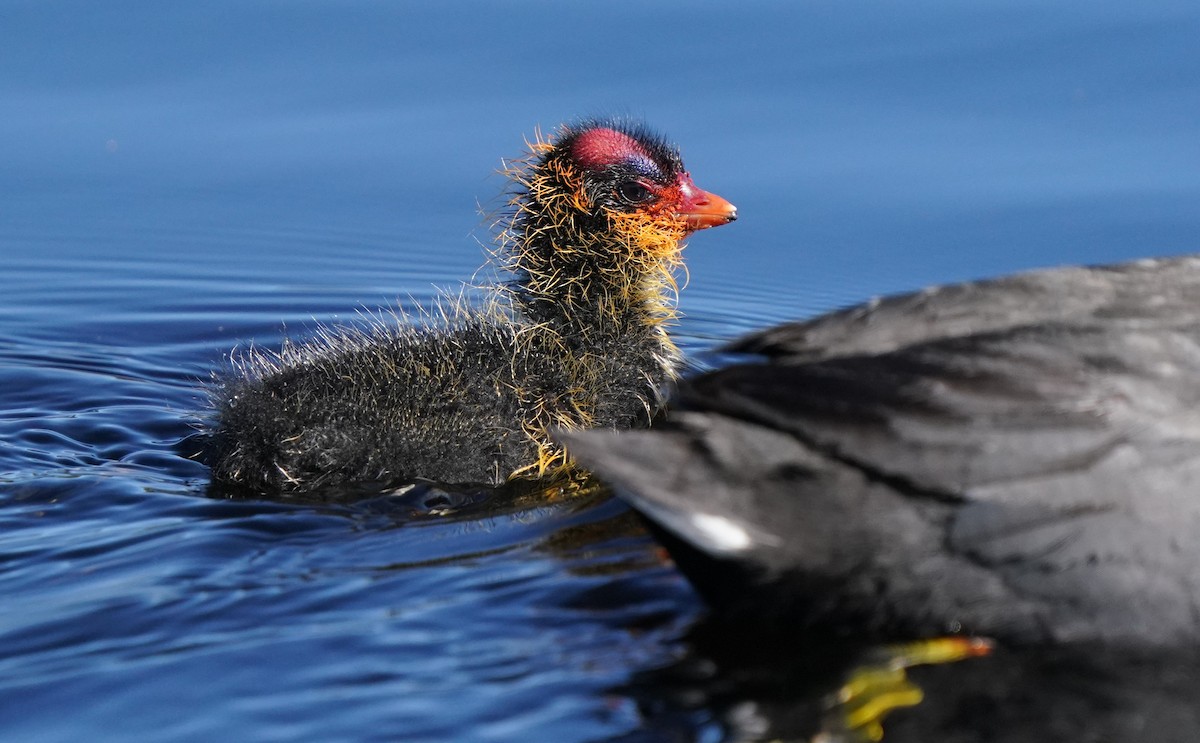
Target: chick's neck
x=599, y=278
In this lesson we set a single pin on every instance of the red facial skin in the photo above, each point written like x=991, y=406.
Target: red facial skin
x=598, y=148
x=699, y=209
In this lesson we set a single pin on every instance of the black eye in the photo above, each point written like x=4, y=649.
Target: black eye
x=633, y=192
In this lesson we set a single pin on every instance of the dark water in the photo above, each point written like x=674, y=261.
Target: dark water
x=179, y=180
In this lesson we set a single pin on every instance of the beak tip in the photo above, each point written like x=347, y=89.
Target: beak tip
x=714, y=211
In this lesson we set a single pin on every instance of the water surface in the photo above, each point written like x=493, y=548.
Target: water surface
x=180, y=181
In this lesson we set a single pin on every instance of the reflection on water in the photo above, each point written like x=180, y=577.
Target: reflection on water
x=179, y=181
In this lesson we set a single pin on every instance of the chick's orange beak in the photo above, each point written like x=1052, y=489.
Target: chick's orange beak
x=701, y=209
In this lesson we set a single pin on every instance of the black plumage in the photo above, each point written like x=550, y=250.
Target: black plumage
x=1017, y=458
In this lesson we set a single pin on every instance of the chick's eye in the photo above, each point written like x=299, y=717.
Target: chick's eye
x=634, y=193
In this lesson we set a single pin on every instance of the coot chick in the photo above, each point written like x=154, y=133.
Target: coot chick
x=578, y=339
x=1017, y=458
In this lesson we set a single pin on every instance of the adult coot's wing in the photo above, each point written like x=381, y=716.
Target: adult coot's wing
x=1014, y=416
x=1150, y=289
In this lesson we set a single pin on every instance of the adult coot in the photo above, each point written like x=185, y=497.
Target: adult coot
x=1018, y=458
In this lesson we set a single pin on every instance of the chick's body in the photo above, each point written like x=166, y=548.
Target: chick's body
x=576, y=340
x=460, y=406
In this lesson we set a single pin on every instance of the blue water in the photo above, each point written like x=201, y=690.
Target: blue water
x=178, y=180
